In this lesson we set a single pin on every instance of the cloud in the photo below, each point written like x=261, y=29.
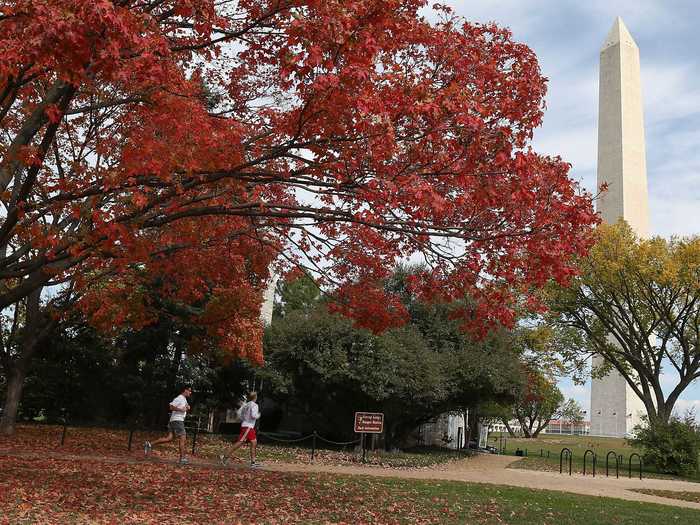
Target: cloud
x=683, y=406
x=670, y=92
x=568, y=54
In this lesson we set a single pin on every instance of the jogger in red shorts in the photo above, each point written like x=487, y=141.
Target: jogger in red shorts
x=249, y=414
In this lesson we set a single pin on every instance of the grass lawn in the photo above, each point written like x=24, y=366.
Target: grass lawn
x=553, y=443
x=673, y=494
x=49, y=490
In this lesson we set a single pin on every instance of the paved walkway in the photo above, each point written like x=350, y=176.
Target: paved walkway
x=493, y=470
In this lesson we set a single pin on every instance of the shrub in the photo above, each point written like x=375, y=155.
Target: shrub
x=673, y=447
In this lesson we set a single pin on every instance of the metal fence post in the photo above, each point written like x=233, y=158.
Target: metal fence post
x=364, y=448
x=194, y=439
x=313, y=446
x=65, y=426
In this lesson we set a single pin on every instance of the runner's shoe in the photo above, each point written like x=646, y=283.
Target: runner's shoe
x=255, y=464
x=184, y=461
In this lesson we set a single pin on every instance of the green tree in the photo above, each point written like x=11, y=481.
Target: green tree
x=673, y=447
x=128, y=378
x=539, y=402
x=324, y=369
x=300, y=294
x=485, y=373
x=416, y=383
x=479, y=372
x=572, y=412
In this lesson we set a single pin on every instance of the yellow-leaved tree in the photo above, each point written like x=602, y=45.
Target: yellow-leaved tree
x=636, y=303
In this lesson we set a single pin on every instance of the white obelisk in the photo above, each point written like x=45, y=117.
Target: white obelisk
x=615, y=408
x=268, y=301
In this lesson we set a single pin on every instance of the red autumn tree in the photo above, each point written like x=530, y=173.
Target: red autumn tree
x=194, y=141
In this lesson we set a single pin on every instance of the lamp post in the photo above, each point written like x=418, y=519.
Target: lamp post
x=616, y=423
x=600, y=423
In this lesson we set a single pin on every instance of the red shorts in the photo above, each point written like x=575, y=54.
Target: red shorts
x=247, y=434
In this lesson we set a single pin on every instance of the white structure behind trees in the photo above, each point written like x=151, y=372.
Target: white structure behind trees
x=615, y=408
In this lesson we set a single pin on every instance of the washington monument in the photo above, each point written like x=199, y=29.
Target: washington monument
x=615, y=408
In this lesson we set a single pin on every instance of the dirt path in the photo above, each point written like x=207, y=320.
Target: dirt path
x=493, y=470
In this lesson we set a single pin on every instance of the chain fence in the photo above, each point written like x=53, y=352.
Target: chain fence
x=132, y=432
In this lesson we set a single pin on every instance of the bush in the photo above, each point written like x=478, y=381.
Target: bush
x=673, y=447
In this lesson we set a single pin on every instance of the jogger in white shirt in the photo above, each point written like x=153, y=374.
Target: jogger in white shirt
x=249, y=414
x=176, y=426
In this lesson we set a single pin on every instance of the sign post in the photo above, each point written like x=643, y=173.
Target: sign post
x=364, y=450
x=368, y=423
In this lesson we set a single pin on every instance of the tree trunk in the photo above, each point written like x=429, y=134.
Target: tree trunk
x=38, y=327
x=505, y=422
x=540, y=428
x=660, y=417
x=15, y=384
x=526, y=425
x=473, y=426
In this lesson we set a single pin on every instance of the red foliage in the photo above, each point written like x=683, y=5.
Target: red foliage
x=193, y=142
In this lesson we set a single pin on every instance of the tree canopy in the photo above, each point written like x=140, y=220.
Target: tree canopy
x=191, y=146
x=200, y=140
x=636, y=303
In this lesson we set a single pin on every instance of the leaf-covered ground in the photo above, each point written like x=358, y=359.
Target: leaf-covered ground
x=50, y=490
x=95, y=480
x=114, y=442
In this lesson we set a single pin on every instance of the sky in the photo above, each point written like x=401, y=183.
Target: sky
x=567, y=36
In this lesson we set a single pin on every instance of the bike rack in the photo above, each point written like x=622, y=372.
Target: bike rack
x=594, y=461
x=617, y=464
x=569, y=455
x=629, y=472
